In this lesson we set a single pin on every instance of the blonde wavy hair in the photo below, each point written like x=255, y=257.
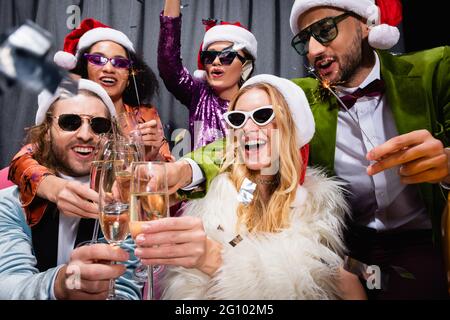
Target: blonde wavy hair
x=273, y=216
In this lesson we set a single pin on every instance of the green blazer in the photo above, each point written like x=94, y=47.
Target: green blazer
x=418, y=92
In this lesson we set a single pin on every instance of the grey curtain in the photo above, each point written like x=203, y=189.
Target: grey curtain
x=267, y=19
x=139, y=19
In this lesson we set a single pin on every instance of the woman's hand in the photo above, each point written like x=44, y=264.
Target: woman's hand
x=153, y=139
x=178, y=241
x=350, y=287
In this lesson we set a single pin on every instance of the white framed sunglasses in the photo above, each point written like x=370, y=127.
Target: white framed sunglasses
x=261, y=116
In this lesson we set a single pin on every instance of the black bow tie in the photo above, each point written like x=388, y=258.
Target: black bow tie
x=373, y=89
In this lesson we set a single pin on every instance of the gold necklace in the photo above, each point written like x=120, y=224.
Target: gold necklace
x=267, y=182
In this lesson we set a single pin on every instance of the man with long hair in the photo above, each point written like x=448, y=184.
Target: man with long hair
x=39, y=262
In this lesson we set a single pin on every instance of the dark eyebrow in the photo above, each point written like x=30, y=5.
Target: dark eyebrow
x=116, y=56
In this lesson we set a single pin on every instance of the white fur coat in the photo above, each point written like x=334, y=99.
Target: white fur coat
x=301, y=262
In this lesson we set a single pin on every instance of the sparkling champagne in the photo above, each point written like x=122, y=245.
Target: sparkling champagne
x=96, y=171
x=147, y=206
x=123, y=179
x=114, y=220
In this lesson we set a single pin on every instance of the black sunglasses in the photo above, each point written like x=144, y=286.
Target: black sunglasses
x=261, y=116
x=323, y=31
x=72, y=122
x=226, y=57
x=100, y=60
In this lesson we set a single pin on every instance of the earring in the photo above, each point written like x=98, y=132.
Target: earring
x=247, y=69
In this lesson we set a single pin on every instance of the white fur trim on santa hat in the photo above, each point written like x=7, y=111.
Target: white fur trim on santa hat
x=379, y=38
x=46, y=99
x=238, y=35
x=363, y=8
x=104, y=34
x=297, y=102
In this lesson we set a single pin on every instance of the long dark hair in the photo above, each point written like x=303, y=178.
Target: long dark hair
x=146, y=81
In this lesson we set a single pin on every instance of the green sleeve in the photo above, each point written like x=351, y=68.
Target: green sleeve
x=210, y=159
x=442, y=94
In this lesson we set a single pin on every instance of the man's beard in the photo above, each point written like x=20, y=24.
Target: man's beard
x=60, y=160
x=351, y=60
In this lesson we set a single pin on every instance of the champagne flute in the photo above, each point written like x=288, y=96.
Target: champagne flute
x=94, y=183
x=102, y=151
x=126, y=123
x=114, y=199
x=106, y=149
x=149, y=201
x=127, y=126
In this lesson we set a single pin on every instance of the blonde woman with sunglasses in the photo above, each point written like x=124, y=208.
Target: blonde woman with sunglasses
x=265, y=229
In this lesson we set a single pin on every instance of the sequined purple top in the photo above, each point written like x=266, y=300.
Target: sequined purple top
x=205, y=107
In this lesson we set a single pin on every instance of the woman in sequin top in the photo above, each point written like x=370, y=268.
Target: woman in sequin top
x=221, y=71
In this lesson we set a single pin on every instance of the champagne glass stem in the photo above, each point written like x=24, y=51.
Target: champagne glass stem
x=112, y=290
x=112, y=285
x=95, y=233
x=150, y=288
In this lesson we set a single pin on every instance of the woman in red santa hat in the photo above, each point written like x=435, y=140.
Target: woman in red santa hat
x=258, y=233
x=99, y=53
x=226, y=60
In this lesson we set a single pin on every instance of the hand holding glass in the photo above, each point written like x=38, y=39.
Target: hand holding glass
x=149, y=201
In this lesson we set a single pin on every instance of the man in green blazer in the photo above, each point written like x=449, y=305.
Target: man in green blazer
x=389, y=145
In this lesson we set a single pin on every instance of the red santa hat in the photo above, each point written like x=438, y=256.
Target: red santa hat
x=226, y=31
x=382, y=17
x=88, y=33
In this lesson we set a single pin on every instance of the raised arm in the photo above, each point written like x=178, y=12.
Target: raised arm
x=176, y=77
x=172, y=8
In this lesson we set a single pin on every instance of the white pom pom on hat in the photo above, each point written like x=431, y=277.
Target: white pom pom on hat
x=65, y=60
x=382, y=17
x=88, y=33
x=383, y=36
x=200, y=74
x=46, y=98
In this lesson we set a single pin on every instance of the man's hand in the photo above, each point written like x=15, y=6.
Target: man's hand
x=178, y=241
x=85, y=278
x=71, y=197
x=420, y=156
